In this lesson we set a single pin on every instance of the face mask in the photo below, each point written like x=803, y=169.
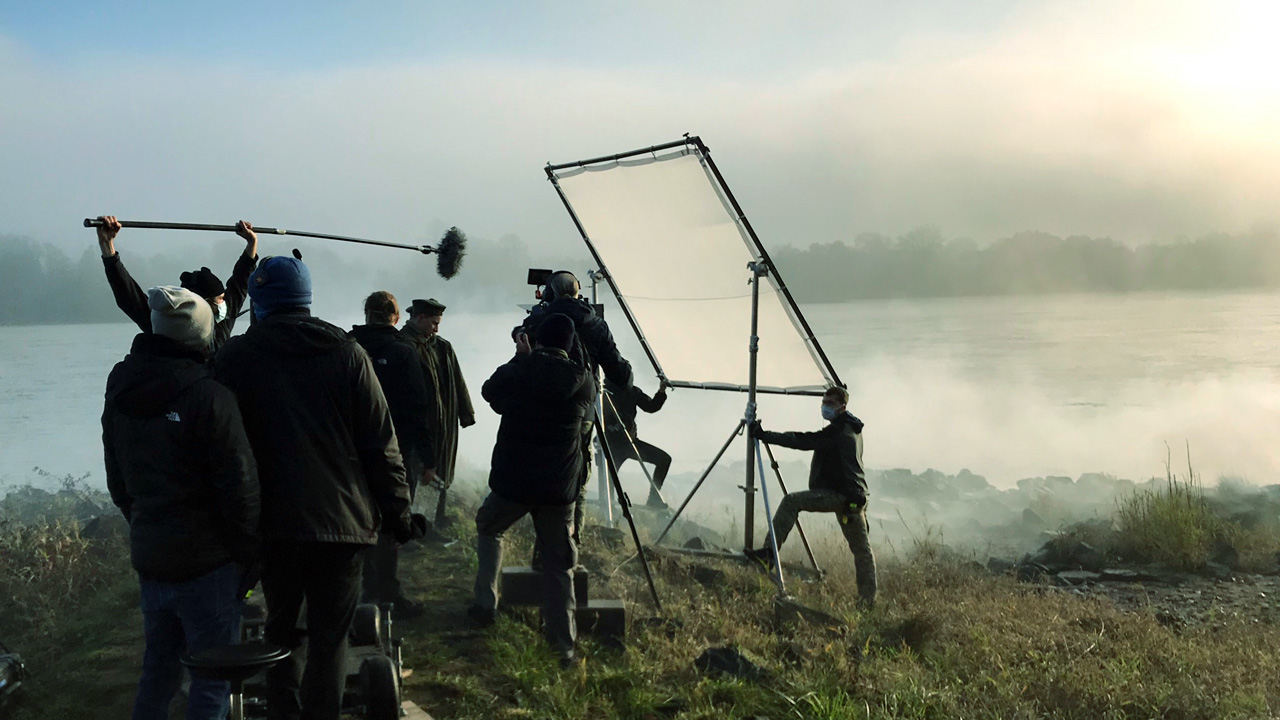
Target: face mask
x=829, y=413
x=219, y=312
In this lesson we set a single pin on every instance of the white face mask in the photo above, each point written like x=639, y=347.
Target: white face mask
x=219, y=312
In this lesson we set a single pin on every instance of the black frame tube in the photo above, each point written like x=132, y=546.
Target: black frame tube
x=622, y=156
x=764, y=255
x=608, y=276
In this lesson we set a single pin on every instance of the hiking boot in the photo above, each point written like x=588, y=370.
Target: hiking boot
x=482, y=617
x=763, y=555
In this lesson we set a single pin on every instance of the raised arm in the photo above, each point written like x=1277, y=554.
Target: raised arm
x=129, y=296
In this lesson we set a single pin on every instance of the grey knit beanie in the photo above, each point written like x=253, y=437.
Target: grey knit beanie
x=181, y=315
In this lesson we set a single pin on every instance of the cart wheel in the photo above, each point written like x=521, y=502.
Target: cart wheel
x=366, y=626
x=380, y=688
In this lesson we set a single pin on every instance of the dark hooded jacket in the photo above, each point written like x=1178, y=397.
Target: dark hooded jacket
x=178, y=462
x=543, y=398
x=328, y=459
x=133, y=301
x=404, y=384
x=837, y=455
x=621, y=406
x=593, y=335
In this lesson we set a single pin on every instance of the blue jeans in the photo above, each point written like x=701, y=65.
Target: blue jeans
x=191, y=615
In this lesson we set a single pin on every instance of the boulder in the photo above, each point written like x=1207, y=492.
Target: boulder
x=728, y=660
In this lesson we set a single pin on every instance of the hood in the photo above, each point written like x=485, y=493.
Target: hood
x=577, y=310
x=558, y=376
x=851, y=420
x=152, y=375
x=294, y=332
x=375, y=337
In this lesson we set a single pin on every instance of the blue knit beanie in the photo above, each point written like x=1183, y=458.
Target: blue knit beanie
x=279, y=282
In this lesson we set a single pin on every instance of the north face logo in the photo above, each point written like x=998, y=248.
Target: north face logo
x=173, y=416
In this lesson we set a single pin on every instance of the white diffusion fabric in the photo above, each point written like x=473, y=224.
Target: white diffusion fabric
x=679, y=259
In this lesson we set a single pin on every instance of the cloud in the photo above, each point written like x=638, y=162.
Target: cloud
x=1065, y=117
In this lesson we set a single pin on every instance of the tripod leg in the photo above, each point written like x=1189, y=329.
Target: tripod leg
x=676, y=516
x=625, y=502
x=768, y=517
x=778, y=472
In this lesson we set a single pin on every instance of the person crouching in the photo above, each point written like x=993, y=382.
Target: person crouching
x=544, y=399
x=180, y=468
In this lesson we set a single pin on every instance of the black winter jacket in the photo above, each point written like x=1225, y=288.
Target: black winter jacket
x=178, y=463
x=543, y=398
x=594, y=334
x=395, y=361
x=837, y=455
x=328, y=460
x=626, y=402
x=133, y=301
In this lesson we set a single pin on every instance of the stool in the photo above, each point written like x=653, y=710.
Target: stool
x=235, y=663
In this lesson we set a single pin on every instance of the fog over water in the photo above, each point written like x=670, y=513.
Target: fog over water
x=1009, y=389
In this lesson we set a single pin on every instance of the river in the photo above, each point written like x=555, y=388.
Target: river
x=1006, y=387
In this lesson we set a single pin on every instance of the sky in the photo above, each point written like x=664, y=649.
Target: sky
x=1143, y=121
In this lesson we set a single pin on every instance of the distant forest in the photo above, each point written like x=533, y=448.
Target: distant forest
x=39, y=283
x=924, y=264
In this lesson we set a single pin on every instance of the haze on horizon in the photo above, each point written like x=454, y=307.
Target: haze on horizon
x=1132, y=119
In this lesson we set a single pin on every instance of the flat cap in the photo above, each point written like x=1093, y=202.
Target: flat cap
x=430, y=306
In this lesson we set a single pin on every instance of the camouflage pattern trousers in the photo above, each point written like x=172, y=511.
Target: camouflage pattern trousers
x=853, y=523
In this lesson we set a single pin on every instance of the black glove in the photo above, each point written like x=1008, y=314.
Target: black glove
x=755, y=429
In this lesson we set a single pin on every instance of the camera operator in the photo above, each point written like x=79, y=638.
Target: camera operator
x=543, y=398
x=594, y=348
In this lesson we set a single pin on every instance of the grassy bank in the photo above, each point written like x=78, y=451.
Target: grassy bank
x=946, y=640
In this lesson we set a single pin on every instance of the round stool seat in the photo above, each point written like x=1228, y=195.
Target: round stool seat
x=234, y=662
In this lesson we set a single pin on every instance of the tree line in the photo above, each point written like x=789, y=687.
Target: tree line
x=40, y=283
x=922, y=263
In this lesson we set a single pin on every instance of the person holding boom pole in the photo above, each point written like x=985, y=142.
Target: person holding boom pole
x=225, y=301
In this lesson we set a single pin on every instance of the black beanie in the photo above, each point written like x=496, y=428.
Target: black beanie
x=203, y=283
x=555, y=332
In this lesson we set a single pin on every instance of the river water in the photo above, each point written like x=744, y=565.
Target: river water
x=1006, y=387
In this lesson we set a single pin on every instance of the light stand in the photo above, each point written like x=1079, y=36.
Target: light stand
x=602, y=472
x=758, y=270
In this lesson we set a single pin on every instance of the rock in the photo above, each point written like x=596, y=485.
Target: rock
x=1084, y=556
x=1031, y=520
x=728, y=660
x=788, y=613
x=1217, y=571
x=695, y=543
x=1126, y=575
x=612, y=538
x=999, y=566
x=708, y=577
x=1078, y=577
x=1224, y=553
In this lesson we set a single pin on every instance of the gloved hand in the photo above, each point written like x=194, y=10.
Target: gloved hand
x=755, y=429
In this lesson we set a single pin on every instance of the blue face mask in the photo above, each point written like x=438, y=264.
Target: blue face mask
x=829, y=413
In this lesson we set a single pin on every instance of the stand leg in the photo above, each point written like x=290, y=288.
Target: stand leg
x=768, y=516
x=778, y=472
x=676, y=516
x=625, y=503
